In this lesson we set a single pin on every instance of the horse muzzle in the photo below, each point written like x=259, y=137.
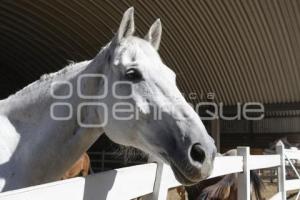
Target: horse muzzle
x=195, y=167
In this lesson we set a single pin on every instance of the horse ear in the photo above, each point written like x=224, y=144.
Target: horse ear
x=154, y=34
x=126, y=27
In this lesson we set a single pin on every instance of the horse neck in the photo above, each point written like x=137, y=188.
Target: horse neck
x=34, y=102
x=37, y=94
x=29, y=112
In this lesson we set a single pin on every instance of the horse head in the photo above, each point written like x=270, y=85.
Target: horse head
x=147, y=109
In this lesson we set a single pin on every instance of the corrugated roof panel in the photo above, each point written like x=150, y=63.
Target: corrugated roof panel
x=241, y=50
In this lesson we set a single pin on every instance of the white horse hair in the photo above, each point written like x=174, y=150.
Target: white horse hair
x=36, y=148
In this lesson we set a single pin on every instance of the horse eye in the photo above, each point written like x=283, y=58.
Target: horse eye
x=133, y=74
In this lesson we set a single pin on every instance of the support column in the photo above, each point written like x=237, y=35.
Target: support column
x=215, y=131
x=281, y=170
x=244, y=177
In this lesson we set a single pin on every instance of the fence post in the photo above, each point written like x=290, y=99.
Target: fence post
x=160, y=189
x=281, y=170
x=244, y=177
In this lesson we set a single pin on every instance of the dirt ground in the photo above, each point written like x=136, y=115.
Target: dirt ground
x=270, y=190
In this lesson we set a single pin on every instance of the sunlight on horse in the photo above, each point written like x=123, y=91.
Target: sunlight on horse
x=49, y=124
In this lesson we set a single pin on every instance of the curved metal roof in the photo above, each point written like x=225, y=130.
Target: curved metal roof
x=240, y=50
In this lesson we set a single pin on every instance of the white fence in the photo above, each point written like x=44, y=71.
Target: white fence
x=154, y=180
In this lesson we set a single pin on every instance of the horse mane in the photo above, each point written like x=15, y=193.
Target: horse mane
x=223, y=189
x=73, y=66
x=226, y=188
x=46, y=79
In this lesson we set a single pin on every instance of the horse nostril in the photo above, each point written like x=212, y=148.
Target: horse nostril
x=197, y=153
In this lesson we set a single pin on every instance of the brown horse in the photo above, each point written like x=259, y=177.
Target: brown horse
x=80, y=167
x=224, y=187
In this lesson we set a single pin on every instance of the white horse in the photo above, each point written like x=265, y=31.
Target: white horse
x=45, y=127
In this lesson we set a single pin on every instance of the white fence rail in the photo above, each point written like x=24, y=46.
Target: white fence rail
x=154, y=180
